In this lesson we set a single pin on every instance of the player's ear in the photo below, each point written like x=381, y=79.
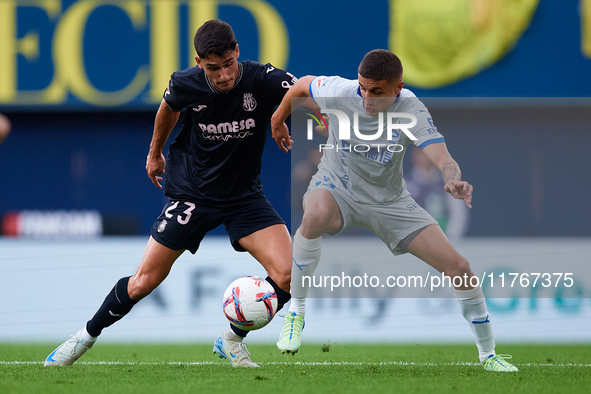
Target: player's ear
x=237, y=51
x=400, y=85
x=198, y=61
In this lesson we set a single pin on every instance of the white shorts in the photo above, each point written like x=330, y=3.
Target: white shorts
x=396, y=223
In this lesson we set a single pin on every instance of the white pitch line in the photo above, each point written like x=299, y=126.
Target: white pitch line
x=343, y=363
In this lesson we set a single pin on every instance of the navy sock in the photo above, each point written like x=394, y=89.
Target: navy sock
x=282, y=295
x=238, y=331
x=116, y=305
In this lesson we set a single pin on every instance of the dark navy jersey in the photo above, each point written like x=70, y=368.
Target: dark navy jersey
x=217, y=154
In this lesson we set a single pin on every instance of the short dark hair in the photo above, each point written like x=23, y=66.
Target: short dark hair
x=380, y=64
x=214, y=37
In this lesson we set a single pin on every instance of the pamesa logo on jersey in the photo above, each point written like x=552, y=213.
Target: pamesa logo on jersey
x=225, y=131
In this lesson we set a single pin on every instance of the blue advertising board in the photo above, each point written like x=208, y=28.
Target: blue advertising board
x=119, y=54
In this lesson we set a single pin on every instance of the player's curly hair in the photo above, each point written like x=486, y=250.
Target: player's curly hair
x=214, y=37
x=380, y=64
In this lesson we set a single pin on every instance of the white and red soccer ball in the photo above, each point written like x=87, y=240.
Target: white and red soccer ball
x=250, y=303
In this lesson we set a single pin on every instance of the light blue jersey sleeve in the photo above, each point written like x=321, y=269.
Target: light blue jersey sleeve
x=323, y=87
x=425, y=131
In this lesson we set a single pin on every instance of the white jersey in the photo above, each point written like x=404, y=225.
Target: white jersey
x=369, y=171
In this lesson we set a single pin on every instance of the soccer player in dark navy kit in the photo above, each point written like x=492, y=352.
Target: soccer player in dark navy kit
x=212, y=177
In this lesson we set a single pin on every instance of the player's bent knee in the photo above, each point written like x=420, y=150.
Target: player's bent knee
x=316, y=217
x=464, y=267
x=139, y=288
x=316, y=221
x=460, y=268
x=282, y=279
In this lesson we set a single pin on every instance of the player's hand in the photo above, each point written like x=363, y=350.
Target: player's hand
x=155, y=166
x=280, y=133
x=321, y=129
x=461, y=190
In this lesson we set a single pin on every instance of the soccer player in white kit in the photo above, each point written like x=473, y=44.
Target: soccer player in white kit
x=366, y=188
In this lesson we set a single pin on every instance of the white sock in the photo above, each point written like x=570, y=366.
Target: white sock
x=298, y=306
x=306, y=255
x=231, y=335
x=473, y=307
x=86, y=336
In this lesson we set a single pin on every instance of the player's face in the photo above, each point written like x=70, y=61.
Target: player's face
x=222, y=71
x=378, y=96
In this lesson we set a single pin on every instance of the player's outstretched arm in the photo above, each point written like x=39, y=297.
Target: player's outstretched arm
x=5, y=127
x=163, y=125
x=279, y=129
x=450, y=171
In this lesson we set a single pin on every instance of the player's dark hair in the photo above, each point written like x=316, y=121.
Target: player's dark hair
x=380, y=64
x=214, y=37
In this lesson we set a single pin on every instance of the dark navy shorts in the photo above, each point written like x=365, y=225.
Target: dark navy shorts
x=183, y=224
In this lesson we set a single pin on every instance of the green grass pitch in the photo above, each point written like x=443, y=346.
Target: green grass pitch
x=336, y=368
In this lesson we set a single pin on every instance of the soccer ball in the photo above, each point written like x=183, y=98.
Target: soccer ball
x=250, y=303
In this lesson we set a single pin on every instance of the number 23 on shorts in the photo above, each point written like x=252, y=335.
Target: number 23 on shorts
x=187, y=212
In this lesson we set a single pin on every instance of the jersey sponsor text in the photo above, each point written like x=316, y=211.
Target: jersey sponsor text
x=228, y=130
